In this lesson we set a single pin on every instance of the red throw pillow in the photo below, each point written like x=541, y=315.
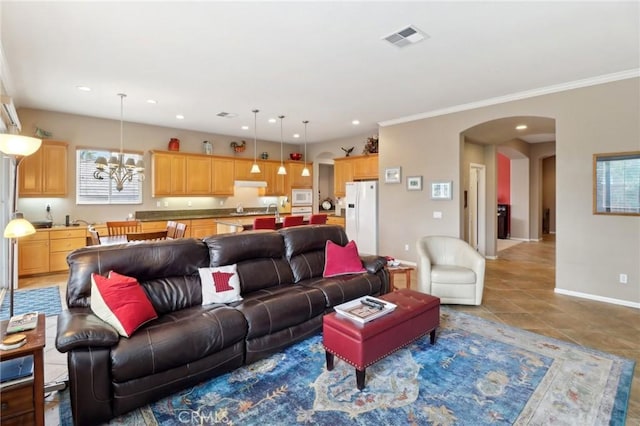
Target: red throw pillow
x=340, y=260
x=121, y=302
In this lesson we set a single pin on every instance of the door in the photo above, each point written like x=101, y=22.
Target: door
x=477, y=211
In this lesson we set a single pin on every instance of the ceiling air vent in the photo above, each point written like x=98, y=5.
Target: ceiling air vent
x=406, y=36
x=227, y=114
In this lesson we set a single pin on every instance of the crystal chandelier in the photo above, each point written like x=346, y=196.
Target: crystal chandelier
x=116, y=168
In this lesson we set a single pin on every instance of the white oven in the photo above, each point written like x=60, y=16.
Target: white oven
x=305, y=212
x=301, y=197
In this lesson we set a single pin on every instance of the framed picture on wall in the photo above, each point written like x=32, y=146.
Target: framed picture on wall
x=414, y=183
x=441, y=190
x=392, y=175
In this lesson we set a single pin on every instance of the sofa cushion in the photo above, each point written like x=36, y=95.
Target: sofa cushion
x=121, y=302
x=220, y=284
x=270, y=310
x=144, y=261
x=177, y=339
x=339, y=260
x=258, y=256
x=344, y=288
x=305, y=246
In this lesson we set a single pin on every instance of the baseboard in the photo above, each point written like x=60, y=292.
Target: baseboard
x=598, y=298
x=491, y=257
x=526, y=240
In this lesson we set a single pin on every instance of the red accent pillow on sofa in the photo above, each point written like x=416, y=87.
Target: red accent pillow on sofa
x=340, y=260
x=121, y=302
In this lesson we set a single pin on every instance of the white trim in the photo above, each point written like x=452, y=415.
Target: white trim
x=491, y=257
x=598, y=298
x=607, y=78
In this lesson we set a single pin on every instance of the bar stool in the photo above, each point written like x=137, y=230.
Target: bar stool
x=318, y=219
x=264, y=223
x=292, y=221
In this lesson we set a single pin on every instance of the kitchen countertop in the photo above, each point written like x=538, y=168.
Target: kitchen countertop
x=150, y=216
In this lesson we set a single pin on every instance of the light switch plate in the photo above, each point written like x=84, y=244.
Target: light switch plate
x=437, y=215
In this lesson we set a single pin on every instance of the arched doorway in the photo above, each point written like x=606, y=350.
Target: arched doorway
x=525, y=140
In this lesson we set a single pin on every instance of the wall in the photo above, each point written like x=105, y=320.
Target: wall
x=82, y=131
x=549, y=190
x=504, y=179
x=591, y=250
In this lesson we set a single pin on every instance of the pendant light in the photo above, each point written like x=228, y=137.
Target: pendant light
x=255, y=168
x=305, y=171
x=281, y=169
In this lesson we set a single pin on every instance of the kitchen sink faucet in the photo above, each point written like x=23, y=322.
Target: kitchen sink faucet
x=277, y=213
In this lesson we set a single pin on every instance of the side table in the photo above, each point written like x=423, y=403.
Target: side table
x=24, y=402
x=406, y=270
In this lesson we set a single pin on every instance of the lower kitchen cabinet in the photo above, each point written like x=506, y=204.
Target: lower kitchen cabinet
x=61, y=243
x=201, y=228
x=33, y=254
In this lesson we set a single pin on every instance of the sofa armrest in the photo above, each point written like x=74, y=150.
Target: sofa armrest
x=80, y=328
x=373, y=263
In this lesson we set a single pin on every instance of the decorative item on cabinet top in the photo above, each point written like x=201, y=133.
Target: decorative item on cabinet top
x=238, y=147
x=371, y=146
x=347, y=152
x=174, y=144
x=296, y=156
x=207, y=147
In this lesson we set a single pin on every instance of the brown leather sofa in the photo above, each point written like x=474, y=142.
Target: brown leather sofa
x=284, y=299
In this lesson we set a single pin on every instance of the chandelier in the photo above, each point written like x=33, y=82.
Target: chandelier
x=116, y=168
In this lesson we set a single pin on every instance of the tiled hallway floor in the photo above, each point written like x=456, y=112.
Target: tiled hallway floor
x=519, y=291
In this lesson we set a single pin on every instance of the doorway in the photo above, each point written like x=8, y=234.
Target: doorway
x=477, y=207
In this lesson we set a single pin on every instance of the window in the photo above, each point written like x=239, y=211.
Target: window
x=90, y=190
x=616, y=186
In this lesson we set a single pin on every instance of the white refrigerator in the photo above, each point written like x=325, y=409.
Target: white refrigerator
x=361, y=215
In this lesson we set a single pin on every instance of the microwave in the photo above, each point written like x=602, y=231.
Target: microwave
x=301, y=197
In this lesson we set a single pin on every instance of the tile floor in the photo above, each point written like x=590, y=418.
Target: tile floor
x=518, y=291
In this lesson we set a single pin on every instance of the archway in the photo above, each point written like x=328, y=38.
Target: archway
x=525, y=140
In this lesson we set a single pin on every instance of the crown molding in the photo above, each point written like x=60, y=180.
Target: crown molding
x=607, y=78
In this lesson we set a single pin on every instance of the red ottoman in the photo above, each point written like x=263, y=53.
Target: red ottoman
x=362, y=345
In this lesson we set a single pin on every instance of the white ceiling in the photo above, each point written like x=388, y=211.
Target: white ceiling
x=320, y=61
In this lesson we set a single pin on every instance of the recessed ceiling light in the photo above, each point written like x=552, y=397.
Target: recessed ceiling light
x=245, y=127
x=521, y=126
x=296, y=135
x=152, y=101
x=83, y=88
x=272, y=120
x=180, y=117
x=355, y=122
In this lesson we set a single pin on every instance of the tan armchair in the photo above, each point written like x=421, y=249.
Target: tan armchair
x=450, y=269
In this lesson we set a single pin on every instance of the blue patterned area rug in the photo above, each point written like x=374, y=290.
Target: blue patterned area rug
x=44, y=300
x=478, y=372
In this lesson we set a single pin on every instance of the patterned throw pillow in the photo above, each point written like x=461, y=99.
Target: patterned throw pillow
x=121, y=302
x=220, y=284
x=340, y=260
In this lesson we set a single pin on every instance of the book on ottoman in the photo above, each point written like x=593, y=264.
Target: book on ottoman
x=365, y=309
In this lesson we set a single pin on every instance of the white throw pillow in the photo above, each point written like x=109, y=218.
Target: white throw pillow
x=220, y=284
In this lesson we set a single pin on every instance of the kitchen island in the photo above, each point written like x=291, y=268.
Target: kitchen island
x=238, y=224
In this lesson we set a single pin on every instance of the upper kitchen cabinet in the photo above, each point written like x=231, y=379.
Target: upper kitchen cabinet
x=242, y=170
x=294, y=170
x=276, y=184
x=169, y=174
x=365, y=167
x=222, y=175
x=198, y=175
x=44, y=173
x=347, y=169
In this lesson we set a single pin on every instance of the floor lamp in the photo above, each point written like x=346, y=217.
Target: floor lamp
x=16, y=147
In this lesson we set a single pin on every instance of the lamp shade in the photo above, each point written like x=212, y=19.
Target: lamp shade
x=18, y=227
x=19, y=145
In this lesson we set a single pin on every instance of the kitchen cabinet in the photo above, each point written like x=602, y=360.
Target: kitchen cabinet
x=335, y=220
x=198, y=175
x=61, y=243
x=201, y=228
x=33, y=254
x=296, y=180
x=169, y=174
x=347, y=169
x=242, y=169
x=156, y=225
x=276, y=184
x=44, y=173
x=365, y=167
x=222, y=176
x=342, y=173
